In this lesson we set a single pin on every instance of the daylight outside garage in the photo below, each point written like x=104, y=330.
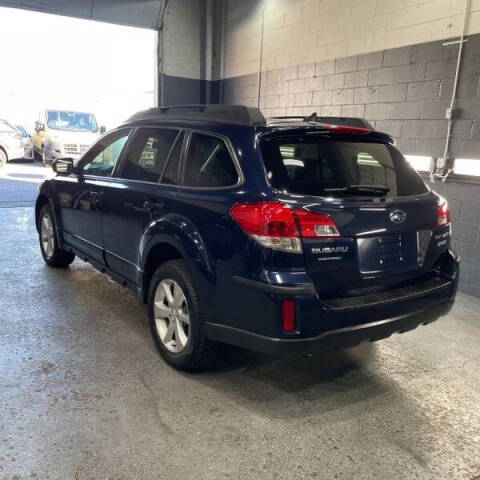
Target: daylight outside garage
x=240, y=239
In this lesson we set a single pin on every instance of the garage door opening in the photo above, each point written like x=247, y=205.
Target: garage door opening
x=61, y=63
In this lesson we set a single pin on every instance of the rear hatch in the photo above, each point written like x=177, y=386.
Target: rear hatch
x=384, y=216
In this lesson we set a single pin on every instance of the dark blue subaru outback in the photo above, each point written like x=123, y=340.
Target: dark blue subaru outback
x=284, y=235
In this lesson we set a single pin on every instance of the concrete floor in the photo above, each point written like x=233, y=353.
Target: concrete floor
x=84, y=395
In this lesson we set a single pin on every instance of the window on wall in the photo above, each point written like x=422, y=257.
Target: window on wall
x=420, y=163
x=467, y=166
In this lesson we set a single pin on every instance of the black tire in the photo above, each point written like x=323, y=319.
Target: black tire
x=58, y=258
x=3, y=158
x=199, y=352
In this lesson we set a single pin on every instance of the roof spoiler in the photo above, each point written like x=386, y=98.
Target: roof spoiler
x=345, y=121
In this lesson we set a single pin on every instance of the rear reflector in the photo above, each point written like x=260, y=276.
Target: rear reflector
x=444, y=218
x=288, y=315
x=279, y=226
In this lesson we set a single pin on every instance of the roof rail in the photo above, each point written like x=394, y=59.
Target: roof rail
x=314, y=118
x=233, y=114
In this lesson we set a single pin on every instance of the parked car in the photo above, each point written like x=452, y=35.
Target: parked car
x=60, y=133
x=27, y=142
x=285, y=235
x=11, y=146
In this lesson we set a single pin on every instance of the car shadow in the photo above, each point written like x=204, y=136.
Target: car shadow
x=350, y=386
x=333, y=379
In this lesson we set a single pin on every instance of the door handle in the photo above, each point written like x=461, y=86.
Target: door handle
x=153, y=207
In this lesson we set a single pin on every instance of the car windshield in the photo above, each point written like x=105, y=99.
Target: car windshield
x=79, y=121
x=338, y=168
x=21, y=130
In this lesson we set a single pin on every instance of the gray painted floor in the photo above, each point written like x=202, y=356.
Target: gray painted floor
x=84, y=395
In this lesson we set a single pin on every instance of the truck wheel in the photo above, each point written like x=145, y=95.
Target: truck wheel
x=177, y=319
x=3, y=158
x=53, y=255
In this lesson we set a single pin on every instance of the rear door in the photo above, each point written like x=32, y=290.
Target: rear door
x=141, y=192
x=384, y=213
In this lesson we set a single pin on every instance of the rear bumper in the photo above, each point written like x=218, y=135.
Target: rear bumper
x=331, y=339
x=325, y=323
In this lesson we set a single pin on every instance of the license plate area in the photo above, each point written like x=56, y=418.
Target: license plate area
x=393, y=253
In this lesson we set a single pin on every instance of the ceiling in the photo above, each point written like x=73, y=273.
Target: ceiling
x=137, y=13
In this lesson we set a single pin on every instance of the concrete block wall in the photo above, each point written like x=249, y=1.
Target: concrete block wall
x=302, y=31
x=403, y=91
x=187, y=46
x=464, y=201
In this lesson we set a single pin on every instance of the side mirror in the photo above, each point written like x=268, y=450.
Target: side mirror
x=103, y=129
x=63, y=166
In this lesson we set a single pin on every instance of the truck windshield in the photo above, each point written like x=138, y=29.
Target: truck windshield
x=338, y=168
x=78, y=121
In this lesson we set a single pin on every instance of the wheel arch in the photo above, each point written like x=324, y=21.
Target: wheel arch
x=158, y=254
x=174, y=237
x=45, y=197
x=4, y=150
x=41, y=201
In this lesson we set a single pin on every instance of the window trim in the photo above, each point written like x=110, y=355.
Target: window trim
x=231, y=151
x=181, y=133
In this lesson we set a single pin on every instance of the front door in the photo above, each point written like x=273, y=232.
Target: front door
x=141, y=193
x=81, y=195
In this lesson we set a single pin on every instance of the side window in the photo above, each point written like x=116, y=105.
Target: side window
x=170, y=174
x=105, y=154
x=208, y=163
x=148, y=153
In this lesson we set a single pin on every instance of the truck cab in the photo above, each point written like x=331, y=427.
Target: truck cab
x=64, y=133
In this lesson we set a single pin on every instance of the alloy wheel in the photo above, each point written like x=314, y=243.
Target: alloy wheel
x=47, y=235
x=172, y=318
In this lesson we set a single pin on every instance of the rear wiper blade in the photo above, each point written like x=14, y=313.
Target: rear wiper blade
x=360, y=189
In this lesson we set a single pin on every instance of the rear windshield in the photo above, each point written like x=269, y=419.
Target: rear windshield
x=328, y=167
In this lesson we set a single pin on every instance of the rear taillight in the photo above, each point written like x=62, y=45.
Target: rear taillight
x=444, y=218
x=279, y=226
x=315, y=224
x=18, y=136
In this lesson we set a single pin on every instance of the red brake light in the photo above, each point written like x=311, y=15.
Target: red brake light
x=279, y=226
x=314, y=225
x=346, y=130
x=288, y=315
x=271, y=219
x=444, y=218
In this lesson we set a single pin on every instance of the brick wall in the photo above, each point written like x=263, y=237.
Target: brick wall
x=464, y=201
x=403, y=91
x=302, y=31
